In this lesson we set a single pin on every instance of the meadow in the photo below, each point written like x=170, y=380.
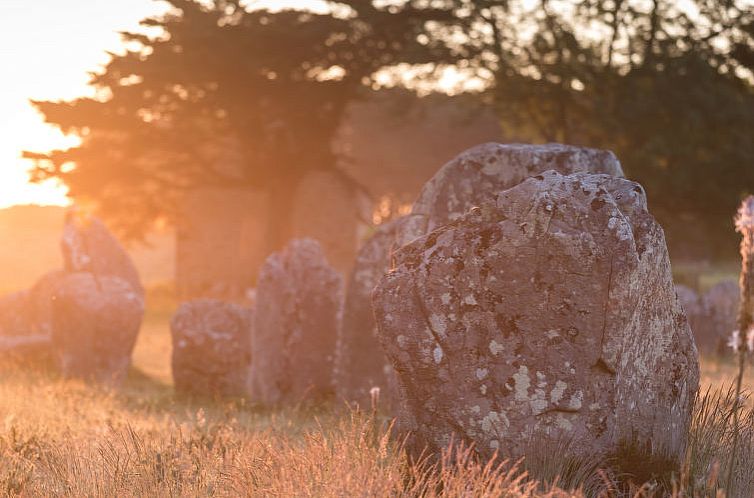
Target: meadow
x=63, y=437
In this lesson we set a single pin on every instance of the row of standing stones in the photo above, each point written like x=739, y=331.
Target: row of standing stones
x=527, y=297
x=88, y=314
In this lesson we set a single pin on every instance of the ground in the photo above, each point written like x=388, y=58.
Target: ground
x=66, y=438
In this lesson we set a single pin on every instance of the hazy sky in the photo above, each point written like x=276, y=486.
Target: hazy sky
x=46, y=49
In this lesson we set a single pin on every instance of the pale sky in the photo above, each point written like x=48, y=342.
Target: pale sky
x=46, y=49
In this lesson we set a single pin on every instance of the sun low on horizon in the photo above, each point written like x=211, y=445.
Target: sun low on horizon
x=47, y=49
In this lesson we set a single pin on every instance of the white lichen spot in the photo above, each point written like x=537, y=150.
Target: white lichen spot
x=594, y=406
x=538, y=402
x=483, y=389
x=445, y=298
x=494, y=444
x=552, y=334
x=476, y=409
x=496, y=348
x=437, y=354
x=576, y=399
x=491, y=420
x=521, y=384
x=401, y=339
x=481, y=373
x=438, y=324
x=563, y=422
x=470, y=300
x=541, y=379
x=557, y=392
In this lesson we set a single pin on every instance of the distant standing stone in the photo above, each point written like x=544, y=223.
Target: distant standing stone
x=211, y=348
x=298, y=308
x=720, y=311
x=360, y=363
x=478, y=174
x=89, y=246
x=549, y=314
x=95, y=322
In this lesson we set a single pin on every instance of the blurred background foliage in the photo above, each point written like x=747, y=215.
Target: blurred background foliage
x=219, y=93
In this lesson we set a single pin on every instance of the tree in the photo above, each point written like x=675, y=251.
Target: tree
x=669, y=89
x=225, y=96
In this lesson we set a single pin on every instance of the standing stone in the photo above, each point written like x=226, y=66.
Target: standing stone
x=550, y=315
x=298, y=308
x=476, y=175
x=360, y=363
x=211, y=348
x=89, y=246
x=692, y=305
x=95, y=321
x=14, y=314
x=720, y=311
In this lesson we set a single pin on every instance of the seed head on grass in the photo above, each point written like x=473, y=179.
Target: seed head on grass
x=744, y=336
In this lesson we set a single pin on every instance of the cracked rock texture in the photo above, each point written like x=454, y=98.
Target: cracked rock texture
x=95, y=321
x=546, y=315
x=298, y=309
x=476, y=175
x=211, y=348
x=89, y=246
x=360, y=363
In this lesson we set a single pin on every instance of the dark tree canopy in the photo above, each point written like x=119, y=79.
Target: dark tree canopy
x=669, y=89
x=225, y=96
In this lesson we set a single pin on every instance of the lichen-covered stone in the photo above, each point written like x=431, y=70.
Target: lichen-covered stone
x=719, y=308
x=95, y=322
x=360, y=364
x=211, y=348
x=476, y=175
x=88, y=246
x=549, y=314
x=298, y=307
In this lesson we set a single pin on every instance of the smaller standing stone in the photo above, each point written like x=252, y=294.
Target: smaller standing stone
x=360, y=363
x=692, y=305
x=211, y=348
x=720, y=309
x=89, y=246
x=298, y=310
x=95, y=322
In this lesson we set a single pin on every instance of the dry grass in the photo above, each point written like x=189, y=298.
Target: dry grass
x=65, y=438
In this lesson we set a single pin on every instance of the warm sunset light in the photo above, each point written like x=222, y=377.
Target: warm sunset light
x=47, y=48
x=377, y=248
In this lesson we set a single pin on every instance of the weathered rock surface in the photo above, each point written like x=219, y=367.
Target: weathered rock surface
x=476, y=175
x=548, y=314
x=719, y=313
x=360, y=363
x=211, y=348
x=89, y=246
x=298, y=308
x=95, y=321
x=692, y=305
x=26, y=317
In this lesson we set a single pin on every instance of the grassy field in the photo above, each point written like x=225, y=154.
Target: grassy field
x=65, y=438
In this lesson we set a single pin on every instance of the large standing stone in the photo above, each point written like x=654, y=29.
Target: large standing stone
x=95, y=321
x=298, y=307
x=89, y=246
x=360, y=363
x=476, y=175
x=548, y=314
x=719, y=313
x=211, y=348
